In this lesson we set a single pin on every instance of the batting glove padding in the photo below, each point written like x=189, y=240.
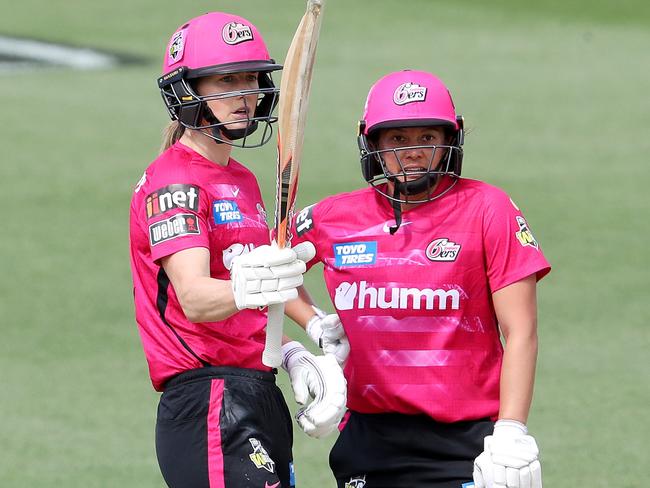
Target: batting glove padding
x=265, y=276
x=319, y=378
x=510, y=458
x=327, y=331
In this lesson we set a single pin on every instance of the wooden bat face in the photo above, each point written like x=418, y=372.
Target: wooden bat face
x=292, y=115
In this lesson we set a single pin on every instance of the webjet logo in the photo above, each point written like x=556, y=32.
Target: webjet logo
x=360, y=296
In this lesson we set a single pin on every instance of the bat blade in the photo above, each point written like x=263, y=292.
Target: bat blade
x=292, y=116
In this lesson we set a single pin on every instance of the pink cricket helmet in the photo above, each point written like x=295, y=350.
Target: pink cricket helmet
x=409, y=99
x=217, y=43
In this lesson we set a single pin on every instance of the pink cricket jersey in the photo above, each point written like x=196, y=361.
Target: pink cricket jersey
x=185, y=201
x=416, y=306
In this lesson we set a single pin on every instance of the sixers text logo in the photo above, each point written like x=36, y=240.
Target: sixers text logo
x=409, y=92
x=443, y=250
x=172, y=196
x=235, y=33
x=176, y=226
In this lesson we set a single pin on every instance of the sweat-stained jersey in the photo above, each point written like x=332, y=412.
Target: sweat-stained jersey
x=416, y=306
x=185, y=201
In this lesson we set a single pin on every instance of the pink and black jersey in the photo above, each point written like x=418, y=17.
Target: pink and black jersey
x=416, y=305
x=184, y=201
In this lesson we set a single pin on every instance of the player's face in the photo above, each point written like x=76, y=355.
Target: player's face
x=234, y=110
x=410, y=150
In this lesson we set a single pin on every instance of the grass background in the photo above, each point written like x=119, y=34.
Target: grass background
x=556, y=95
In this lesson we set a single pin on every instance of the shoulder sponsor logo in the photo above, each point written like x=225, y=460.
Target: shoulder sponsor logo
x=443, y=250
x=361, y=296
x=356, y=482
x=355, y=253
x=260, y=457
x=172, y=196
x=304, y=221
x=524, y=235
x=236, y=32
x=226, y=211
x=176, y=226
x=408, y=93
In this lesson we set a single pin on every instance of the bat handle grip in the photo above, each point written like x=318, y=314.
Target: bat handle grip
x=272, y=355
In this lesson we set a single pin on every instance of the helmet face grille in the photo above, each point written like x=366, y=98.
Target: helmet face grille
x=413, y=185
x=191, y=110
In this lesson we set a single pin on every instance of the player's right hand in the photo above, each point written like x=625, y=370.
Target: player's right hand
x=327, y=331
x=265, y=276
x=320, y=378
x=510, y=458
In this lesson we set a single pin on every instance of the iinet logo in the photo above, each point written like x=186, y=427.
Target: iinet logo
x=360, y=296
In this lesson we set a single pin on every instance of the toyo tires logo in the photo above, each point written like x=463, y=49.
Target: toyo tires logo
x=359, y=295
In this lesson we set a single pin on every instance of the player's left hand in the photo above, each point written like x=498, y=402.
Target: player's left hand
x=319, y=378
x=510, y=458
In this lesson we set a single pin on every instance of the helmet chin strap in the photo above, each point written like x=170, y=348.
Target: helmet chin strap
x=397, y=210
x=423, y=183
x=232, y=134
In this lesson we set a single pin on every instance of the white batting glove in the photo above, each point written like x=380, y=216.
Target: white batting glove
x=327, y=331
x=510, y=458
x=265, y=276
x=320, y=378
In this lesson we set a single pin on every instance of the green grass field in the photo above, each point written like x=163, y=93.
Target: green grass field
x=556, y=95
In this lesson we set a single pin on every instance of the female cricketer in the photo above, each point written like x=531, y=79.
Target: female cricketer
x=427, y=272
x=204, y=272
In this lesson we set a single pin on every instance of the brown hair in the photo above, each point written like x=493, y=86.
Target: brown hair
x=171, y=134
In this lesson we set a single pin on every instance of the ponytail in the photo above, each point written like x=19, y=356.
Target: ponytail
x=171, y=134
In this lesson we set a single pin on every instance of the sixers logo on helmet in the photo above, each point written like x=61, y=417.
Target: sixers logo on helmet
x=235, y=33
x=408, y=93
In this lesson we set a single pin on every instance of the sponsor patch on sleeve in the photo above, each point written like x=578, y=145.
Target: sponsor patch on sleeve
x=226, y=212
x=304, y=221
x=172, y=196
x=524, y=235
x=176, y=226
x=355, y=253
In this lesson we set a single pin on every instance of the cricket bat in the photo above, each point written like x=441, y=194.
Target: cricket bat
x=292, y=115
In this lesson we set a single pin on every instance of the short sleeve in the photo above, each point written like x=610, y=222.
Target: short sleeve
x=303, y=229
x=511, y=251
